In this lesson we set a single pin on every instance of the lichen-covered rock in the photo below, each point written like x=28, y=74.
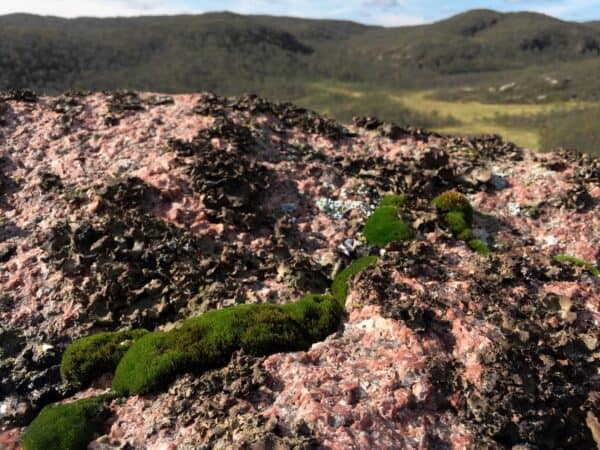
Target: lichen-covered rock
x=121, y=210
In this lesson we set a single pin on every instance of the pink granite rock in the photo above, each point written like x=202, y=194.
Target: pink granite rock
x=130, y=210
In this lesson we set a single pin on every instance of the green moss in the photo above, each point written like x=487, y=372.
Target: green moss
x=339, y=287
x=458, y=216
x=272, y=330
x=595, y=271
x=453, y=201
x=320, y=315
x=396, y=201
x=384, y=227
x=478, y=246
x=70, y=426
x=208, y=341
x=458, y=224
x=91, y=356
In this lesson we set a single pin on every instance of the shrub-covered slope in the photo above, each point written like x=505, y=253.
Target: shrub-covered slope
x=232, y=54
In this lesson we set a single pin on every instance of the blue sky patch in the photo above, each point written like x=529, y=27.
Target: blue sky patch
x=381, y=12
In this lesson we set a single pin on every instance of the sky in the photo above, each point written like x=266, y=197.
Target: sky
x=380, y=12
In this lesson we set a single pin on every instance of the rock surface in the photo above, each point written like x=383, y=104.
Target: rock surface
x=126, y=210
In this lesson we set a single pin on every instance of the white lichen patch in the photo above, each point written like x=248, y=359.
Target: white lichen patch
x=337, y=209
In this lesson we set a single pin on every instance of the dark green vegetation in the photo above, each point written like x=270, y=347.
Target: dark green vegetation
x=384, y=225
x=224, y=52
x=69, y=426
x=208, y=341
x=232, y=53
x=339, y=287
x=480, y=55
x=591, y=268
x=88, y=357
x=458, y=216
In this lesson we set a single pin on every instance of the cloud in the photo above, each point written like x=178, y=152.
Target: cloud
x=559, y=8
x=97, y=8
x=389, y=13
x=382, y=3
x=567, y=8
x=396, y=20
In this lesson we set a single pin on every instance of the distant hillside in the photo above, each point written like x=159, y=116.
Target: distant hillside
x=595, y=24
x=172, y=53
x=231, y=53
x=219, y=51
x=481, y=41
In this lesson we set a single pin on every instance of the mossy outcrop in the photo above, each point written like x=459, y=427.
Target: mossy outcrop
x=457, y=213
x=384, y=225
x=68, y=426
x=208, y=341
x=91, y=356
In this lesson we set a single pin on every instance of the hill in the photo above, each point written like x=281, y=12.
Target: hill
x=230, y=53
x=594, y=24
x=219, y=51
x=480, y=41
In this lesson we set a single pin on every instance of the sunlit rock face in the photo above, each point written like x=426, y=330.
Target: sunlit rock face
x=124, y=210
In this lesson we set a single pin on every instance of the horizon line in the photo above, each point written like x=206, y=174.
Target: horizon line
x=284, y=16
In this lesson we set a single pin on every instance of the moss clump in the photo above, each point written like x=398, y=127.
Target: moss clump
x=458, y=224
x=384, y=226
x=339, y=287
x=454, y=201
x=91, y=356
x=396, y=201
x=595, y=271
x=478, y=246
x=208, y=341
x=458, y=216
x=70, y=426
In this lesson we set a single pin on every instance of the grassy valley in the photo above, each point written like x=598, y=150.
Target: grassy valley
x=541, y=126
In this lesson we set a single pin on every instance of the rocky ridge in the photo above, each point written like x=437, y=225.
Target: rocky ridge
x=125, y=210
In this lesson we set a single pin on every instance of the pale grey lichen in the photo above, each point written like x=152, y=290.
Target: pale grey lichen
x=482, y=234
x=513, y=208
x=337, y=209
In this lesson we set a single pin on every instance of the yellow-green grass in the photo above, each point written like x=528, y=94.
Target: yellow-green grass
x=474, y=111
x=478, y=118
x=421, y=108
x=354, y=90
x=523, y=138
